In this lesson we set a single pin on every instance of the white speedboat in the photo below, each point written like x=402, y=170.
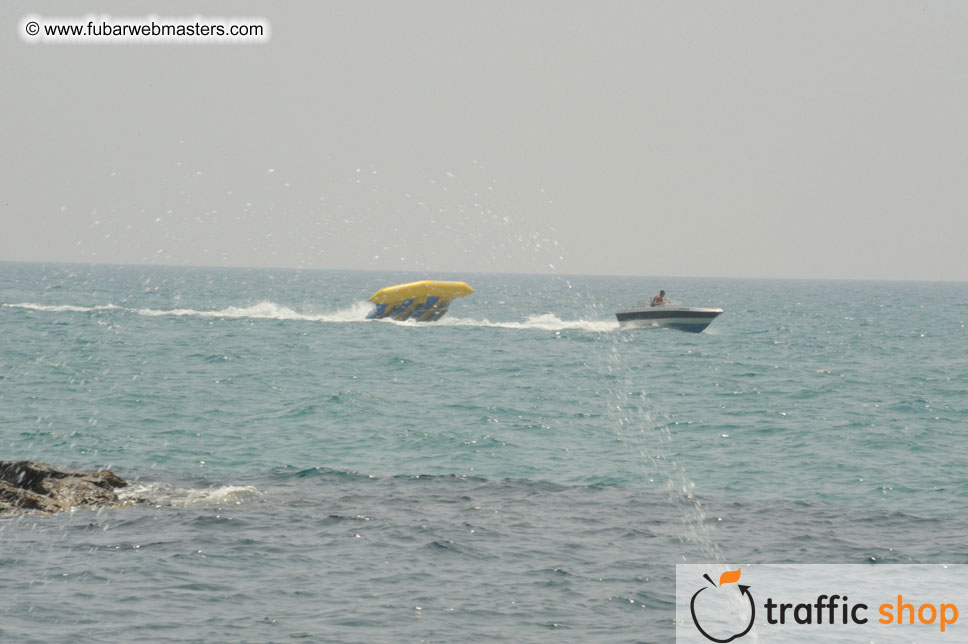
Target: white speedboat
x=685, y=318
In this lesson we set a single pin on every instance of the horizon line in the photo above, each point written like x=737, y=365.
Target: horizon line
x=425, y=271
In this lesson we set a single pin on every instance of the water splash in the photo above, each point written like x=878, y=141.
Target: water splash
x=164, y=494
x=648, y=439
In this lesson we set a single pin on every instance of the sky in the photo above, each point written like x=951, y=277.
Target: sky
x=800, y=139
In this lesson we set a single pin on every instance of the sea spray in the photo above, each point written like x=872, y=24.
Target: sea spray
x=641, y=433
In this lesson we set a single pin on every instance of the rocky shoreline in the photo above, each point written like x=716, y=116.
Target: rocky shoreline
x=39, y=487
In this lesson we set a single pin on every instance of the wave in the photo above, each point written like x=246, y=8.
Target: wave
x=541, y=322
x=164, y=494
x=63, y=308
x=263, y=310
x=267, y=311
x=355, y=313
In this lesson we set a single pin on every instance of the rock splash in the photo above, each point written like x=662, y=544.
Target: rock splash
x=30, y=485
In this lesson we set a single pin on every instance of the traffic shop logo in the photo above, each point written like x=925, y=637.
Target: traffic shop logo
x=723, y=612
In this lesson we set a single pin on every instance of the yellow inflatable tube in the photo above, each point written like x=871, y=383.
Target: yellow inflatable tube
x=424, y=301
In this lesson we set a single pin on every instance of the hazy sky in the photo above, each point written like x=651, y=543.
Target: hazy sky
x=758, y=139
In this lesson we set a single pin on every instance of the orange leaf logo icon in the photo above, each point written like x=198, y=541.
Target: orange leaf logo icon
x=729, y=577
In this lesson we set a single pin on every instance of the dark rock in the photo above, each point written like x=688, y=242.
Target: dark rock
x=29, y=485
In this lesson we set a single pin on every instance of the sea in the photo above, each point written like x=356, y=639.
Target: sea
x=521, y=471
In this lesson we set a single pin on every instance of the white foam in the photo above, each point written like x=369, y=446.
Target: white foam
x=266, y=311
x=62, y=308
x=263, y=310
x=356, y=313
x=540, y=322
x=163, y=494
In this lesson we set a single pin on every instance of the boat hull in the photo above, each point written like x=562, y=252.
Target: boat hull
x=683, y=318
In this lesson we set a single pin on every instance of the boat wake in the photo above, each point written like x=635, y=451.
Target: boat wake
x=261, y=311
x=541, y=322
x=63, y=308
x=355, y=313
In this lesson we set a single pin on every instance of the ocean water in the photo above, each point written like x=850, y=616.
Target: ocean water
x=522, y=471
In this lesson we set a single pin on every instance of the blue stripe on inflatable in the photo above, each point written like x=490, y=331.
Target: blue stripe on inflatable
x=378, y=312
x=438, y=312
x=420, y=310
x=399, y=308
